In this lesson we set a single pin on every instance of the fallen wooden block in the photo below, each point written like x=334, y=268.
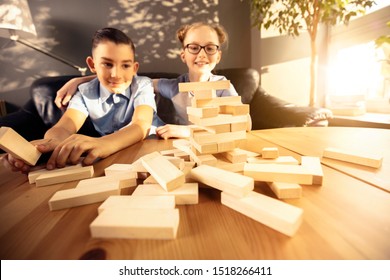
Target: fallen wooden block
x=207, y=160
x=62, y=175
x=271, y=212
x=314, y=167
x=118, y=168
x=230, y=182
x=81, y=196
x=235, y=155
x=165, y=173
x=278, y=160
x=125, y=180
x=188, y=193
x=33, y=175
x=279, y=173
x=136, y=223
x=361, y=158
x=285, y=190
x=270, y=152
x=14, y=144
x=141, y=202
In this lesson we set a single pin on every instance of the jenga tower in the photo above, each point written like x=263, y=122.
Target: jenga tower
x=218, y=121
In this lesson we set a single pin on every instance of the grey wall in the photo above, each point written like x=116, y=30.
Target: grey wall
x=65, y=29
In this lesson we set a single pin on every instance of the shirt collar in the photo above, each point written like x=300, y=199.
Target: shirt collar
x=105, y=94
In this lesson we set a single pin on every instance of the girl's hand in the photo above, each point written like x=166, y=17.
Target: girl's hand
x=173, y=131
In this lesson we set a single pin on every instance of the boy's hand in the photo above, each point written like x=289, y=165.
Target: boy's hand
x=65, y=93
x=78, y=146
x=14, y=164
x=173, y=131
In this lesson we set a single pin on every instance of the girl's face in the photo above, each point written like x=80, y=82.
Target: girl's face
x=203, y=62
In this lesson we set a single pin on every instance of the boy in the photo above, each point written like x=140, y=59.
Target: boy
x=120, y=104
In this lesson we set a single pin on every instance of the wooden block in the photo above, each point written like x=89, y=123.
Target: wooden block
x=150, y=180
x=235, y=110
x=117, y=168
x=33, y=175
x=182, y=155
x=207, y=137
x=176, y=161
x=169, y=152
x=224, y=146
x=186, y=194
x=205, y=94
x=207, y=160
x=136, y=223
x=141, y=202
x=235, y=155
x=278, y=173
x=270, y=152
x=206, y=148
x=124, y=180
x=185, y=145
x=271, y=212
x=166, y=174
x=200, y=86
x=230, y=182
x=17, y=146
x=238, y=126
x=286, y=190
x=313, y=165
x=278, y=160
x=219, y=101
x=205, y=112
x=360, y=157
x=63, y=175
x=218, y=120
x=220, y=128
x=82, y=196
x=224, y=164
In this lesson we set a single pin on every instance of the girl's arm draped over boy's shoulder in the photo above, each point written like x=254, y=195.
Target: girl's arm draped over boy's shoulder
x=65, y=93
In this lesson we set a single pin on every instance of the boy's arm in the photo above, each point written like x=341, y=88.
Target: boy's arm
x=155, y=85
x=65, y=93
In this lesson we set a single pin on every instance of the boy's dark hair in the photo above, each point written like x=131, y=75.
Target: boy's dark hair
x=113, y=35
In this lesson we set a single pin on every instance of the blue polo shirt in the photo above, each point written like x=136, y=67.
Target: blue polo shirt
x=110, y=112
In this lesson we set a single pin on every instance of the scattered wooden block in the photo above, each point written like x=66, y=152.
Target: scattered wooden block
x=361, y=158
x=14, y=144
x=170, y=152
x=235, y=155
x=278, y=173
x=62, y=175
x=270, y=152
x=207, y=160
x=313, y=165
x=200, y=86
x=150, y=180
x=125, y=180
x=186, y=194
x=141, y=202
x=33, y=175
x=271, y=212
x=286, y=190
x=224, y=164
x=166, y=174
x=82, y=196
x=118, y=168
x=136, y=223
x=278, y=160
x=230, y=182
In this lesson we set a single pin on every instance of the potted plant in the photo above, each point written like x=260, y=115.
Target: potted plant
x=295, y=16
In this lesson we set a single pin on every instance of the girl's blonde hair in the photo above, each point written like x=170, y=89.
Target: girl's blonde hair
x=219, y=29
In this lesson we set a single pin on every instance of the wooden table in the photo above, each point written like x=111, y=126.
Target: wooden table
x=345, y=218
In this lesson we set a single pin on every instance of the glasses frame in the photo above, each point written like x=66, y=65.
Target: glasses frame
x=201, y=47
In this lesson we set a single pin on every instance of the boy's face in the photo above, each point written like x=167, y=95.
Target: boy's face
x=201, y=63
x=114, y=65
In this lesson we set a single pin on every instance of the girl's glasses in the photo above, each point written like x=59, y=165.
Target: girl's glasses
x=195, y=48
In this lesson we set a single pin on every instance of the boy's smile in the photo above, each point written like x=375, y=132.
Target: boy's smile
x=114, y=65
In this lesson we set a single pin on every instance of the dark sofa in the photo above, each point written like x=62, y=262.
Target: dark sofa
x=267, y=111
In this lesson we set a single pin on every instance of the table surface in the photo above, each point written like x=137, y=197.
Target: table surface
x=345, y=218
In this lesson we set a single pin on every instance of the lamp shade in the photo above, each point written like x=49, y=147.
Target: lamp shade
x=16, y=20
